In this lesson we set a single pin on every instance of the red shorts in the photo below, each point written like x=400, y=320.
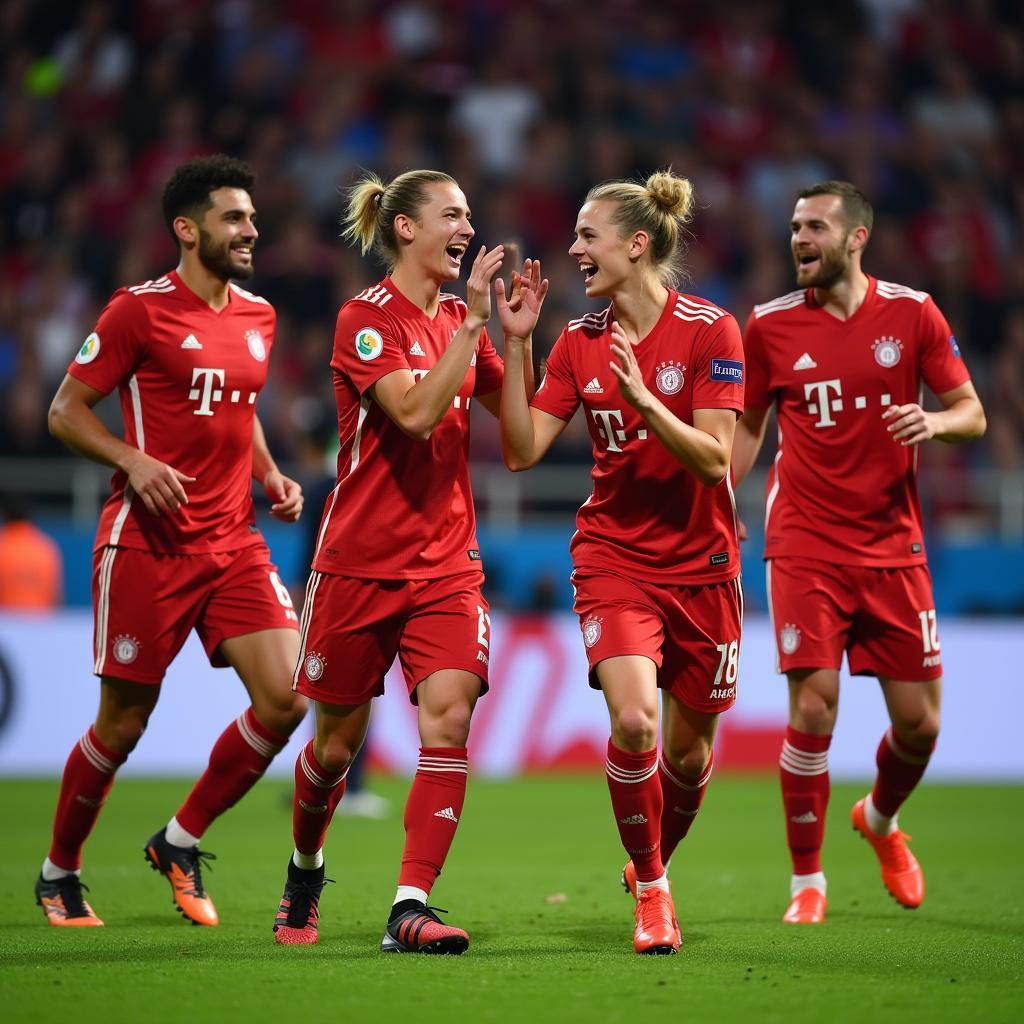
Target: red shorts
x=145, y=604
x=692, y=633
x=353, y=628
x=883, y=618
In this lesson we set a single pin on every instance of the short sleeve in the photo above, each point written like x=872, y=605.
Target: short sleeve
x=109, y=356
x=942, y=365
x=366, y=345
x=490, y=370
x=718, y=367
x=757, y=387
x=557, y=394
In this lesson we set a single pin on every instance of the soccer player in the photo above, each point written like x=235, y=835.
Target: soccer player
x=843, y=360
x=177, y=547
x=397, y=568
x=656, y=564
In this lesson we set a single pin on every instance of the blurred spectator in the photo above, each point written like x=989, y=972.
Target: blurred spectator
x=31, y=574
x=1006, y=406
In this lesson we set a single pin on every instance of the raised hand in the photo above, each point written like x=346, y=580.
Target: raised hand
x=478, y=285
x=520, y=310
x=631, y=381
x=285, y=494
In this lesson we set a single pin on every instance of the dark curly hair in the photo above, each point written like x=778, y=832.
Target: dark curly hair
x=187, y=194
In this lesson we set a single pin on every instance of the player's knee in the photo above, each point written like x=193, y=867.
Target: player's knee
x=121, y=733
x=921, y=732
x=635, y=729
x=334, y=754
x=814, y=714
x=450, y=726
x=690, y=762
x=283, y=714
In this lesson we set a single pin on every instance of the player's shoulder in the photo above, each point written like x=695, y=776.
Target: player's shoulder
x=246, y=296
x=371, y=304
x=150, y=293
x=590, y=325
x=781, y=304
x=889, y=291
x=697, y=310
x=453, y=303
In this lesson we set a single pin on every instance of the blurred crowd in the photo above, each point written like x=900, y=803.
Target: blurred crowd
x=919, y=102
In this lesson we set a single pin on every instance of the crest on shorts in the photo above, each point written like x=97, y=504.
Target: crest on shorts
x=126, y=648
x=671, y=377
x=592, y=631
x=789, y=638
x=313, y=666
x=90, y=349
x=257, y=349
x=888, y=351
x=369, y=344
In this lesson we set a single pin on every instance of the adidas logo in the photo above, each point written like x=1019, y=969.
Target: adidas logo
x=684, y=810
x=593, y=388
x=416, y=349
x=313, y=808
x=634, y=819
x=448, y=813
x=191, y=342
x=804, y=819
x=805, y=362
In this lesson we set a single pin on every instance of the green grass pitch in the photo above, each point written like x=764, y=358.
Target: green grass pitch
x=960, y=957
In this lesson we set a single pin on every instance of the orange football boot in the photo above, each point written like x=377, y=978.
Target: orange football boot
x=901, y=874
x=657, y=931
x=63, y=903
x=181, y=866
x=628, y=878
x=807, y=907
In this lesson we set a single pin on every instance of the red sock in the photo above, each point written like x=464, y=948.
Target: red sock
x=432, y=813
x=316, y=797
x=803, y=771
x=681, y=801
x=237, y=762
x=636, y=802
x=88, y=776
x=900, y=768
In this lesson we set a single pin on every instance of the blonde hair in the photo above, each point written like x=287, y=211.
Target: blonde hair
x=661, y=206
x=369, y=218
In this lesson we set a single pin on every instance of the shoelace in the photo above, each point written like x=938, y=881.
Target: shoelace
x=194, y=859
x=651, y=907
x=896, y=850
x=303, y=902
x=70, y=888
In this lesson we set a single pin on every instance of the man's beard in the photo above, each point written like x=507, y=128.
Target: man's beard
x=832, y=266
x=217, y=259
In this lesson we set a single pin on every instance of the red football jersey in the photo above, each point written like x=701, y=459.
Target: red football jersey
x=188, y=379
x=841, y=489
x=647, y=514
x=402, y=508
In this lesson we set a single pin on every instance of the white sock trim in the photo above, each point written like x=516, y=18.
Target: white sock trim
x=308, y=861
x=658, y=883
x=878, y=822
x=177, y=836
x=798, y=883
x=51, y=872
x=410, y=892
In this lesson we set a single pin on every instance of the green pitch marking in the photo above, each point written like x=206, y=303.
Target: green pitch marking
x=533, y=877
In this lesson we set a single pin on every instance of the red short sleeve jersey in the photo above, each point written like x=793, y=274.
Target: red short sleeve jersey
x=402, y=508
x=188, y=379
x=648, y=515
x=841, y=489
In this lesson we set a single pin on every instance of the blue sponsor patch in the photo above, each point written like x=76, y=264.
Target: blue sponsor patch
x=730, y=370
x=954, y=346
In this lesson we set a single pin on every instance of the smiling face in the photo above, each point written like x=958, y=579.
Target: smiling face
x=227, y=234
x=438, y=237
x=606, y=259
x=822, y=242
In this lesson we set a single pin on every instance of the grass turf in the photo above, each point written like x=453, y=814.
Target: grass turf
x=960, y=957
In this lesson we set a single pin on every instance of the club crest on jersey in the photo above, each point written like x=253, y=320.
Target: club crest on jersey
x=888, y=351
x=592, y=631
x=126, y=649
x=671, y=377
x=313, y=666
x=369, y=344
x=90, y=349
x=257, y=349
x=789, y=638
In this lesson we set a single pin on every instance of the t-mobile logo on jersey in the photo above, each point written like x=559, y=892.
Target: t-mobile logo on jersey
x=821, y=404
x=208, y=387
x=608, y=420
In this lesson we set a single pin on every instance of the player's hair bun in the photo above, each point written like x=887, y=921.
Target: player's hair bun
x=672, y=193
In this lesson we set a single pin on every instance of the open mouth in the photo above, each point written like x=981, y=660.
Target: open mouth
x=806, y=261
x=455, y=252
x=589, y=271
x=245, y=251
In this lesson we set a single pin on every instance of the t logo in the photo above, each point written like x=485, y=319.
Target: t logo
x=607, y=420
x=820, y=404
x=208, y=393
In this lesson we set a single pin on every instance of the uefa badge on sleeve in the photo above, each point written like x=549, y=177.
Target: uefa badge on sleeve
x=90, y=349
x=369, y=344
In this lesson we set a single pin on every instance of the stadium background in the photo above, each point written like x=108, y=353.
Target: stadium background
x=920, y=103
